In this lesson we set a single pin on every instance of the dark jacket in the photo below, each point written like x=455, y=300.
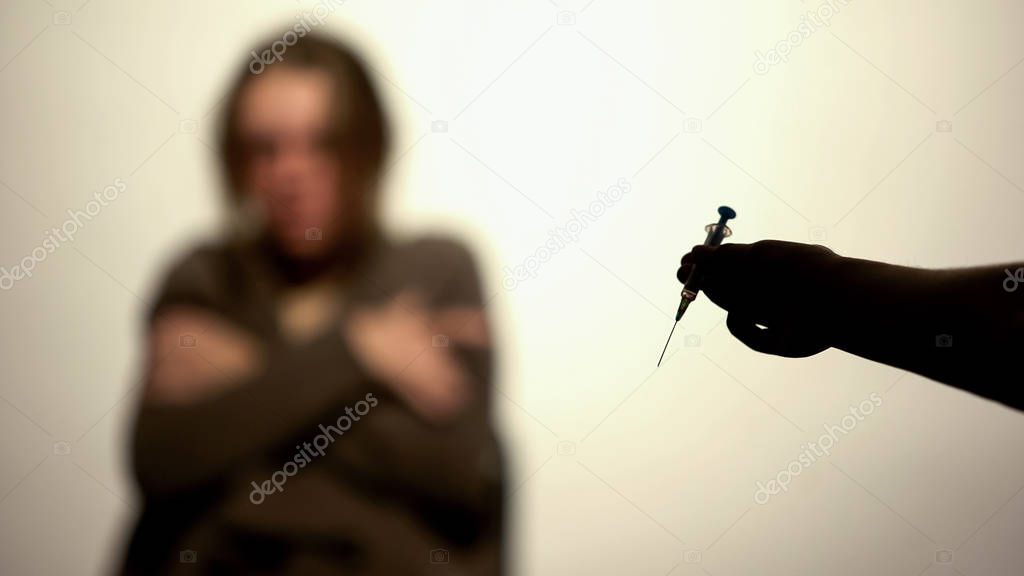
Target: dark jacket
x=393, y=494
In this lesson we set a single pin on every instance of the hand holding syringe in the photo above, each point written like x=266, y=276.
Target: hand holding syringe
x=796, y=300
x=716, y=233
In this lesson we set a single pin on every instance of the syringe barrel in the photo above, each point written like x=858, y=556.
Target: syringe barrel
x=716, y=233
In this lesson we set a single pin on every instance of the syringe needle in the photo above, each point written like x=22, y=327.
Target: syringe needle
x=667, y=341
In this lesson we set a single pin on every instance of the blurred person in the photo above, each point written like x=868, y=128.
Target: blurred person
x=316, y=395
x=962, y=326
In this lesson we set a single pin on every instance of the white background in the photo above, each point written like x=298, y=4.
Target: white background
x=547, y=103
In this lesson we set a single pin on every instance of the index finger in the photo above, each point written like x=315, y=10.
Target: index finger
x=714, y=262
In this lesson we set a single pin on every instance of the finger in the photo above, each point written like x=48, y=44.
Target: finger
x=710, y=261
x=463, y=324
x=683, y=274
x=724, y=272
x=438, y=386
x=409, y=301
x=217, y=356
x=698, y=253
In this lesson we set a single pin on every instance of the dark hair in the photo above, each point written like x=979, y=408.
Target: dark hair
x=360, y=126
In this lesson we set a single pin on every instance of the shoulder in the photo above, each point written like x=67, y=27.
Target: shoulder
x=437, y=249
x=198, y=275
x=198, y=260
x=442, y=266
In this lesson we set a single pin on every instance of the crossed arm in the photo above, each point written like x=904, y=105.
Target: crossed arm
x=230, y=397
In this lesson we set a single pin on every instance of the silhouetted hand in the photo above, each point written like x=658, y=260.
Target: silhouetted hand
x=796, y=300
x=777, y=293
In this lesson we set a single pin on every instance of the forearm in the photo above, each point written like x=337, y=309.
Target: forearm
x=180, y=446
x=448, y=469
x=439, y=461
x=955, y=326
x=449, y=472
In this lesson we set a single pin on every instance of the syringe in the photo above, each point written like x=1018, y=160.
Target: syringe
x=716, y=233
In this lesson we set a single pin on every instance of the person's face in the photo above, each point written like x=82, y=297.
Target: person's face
x=308, y=199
